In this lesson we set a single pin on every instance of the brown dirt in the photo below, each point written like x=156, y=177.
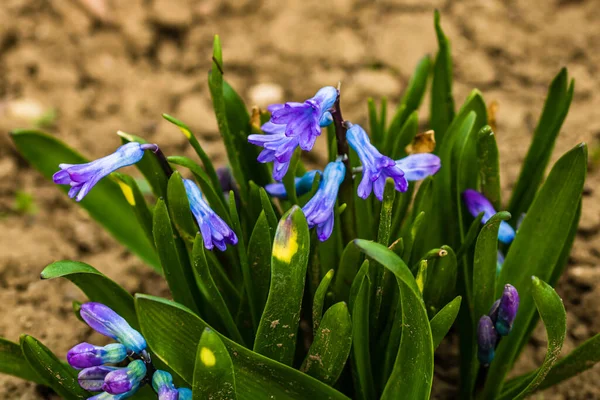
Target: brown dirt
x=149, y=57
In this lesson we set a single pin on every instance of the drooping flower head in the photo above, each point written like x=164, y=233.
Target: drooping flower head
x=477, y=203
x=86, y=355
x=215, y=232
x=92, y=378
x=108, y=323
x=83, y=177
x=162, y=383
x=123, y=380
x=319, y=210
x=507, y=310
x=278, y=148
x=303, y=185
x=487, y=337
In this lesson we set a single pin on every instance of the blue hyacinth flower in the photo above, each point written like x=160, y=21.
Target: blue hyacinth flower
x=487, y=338
x=319, y=210
x=92, y=379
x=123, y=380
x=303, y=185
x=162, y=383
x=278, y=148
x=184, y=394
x=477, y=203
x=108, y=323
x=86, y=355
x=507, y=310
x=215, y=232
x=83, y=177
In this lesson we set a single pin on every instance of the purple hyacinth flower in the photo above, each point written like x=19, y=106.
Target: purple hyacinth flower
x=507, y=310
x=278, y=148
x=419, y=166
x=107, y=322
x=477, y=203
x=86, y=355
x=319, y=210
x=376, y=167
x=83, y=177
x=123, y=380
x=303, y=185
x=92, y=378
x=162, y=383
x=108, y=396
x=487, y=337
x=185, y=394
x=214, y=230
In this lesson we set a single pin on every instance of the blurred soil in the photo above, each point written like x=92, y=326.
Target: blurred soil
x=110, y=65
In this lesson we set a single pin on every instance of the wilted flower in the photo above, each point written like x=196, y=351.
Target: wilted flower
x=303, y=185
x=477, y=203
x=507, y=310
x=123, y=380
x=83, y=177
x=107, y=322
x=92, y=378
x=214, y=230
x=487, y=337
x=319, y=210
x=86, y=355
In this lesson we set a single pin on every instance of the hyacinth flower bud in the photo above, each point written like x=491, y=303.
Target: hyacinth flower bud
x=108, y=396
x=92, y=378
x=108, y=323
x=487, y=337
x=319, y=210
x=215, y=232
x=507, y=310
x=124, y=380
x=86, y=355
x=477, y=203
x=493, y=313
x=83, y=177
x=162, y=383
x=185, y=394
x=303, y=185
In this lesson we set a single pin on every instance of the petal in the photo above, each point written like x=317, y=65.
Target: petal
x=280, y=169
x=272, y=129
x=506, y=233
x=365, y=187
x=477, y=203
x=276, y=190
x=325, y=229
x=419, y=166
x=61, y=177
x=326, y=119
x=325, y=98
x=378, y=188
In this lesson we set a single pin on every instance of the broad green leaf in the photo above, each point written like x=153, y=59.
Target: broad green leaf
x=13, y=362
x=175, y=260
x=276, y=334
x=96, y=286
x=347, y=269
x=319, y=300
x=537, y=250
x=441, y=282
x=329, y=351
x=443, y=320
x=470, y=236
x=289, y=180
x=553, y=115
x=60, y=377
x=404, y=137
x=105, y=203
x=269, y=211
x=214, y=376
x=489, y=166
x=552, y=312
x=259, y=259
x=374, y=122
x=179, y=208
x=442, y=102
x=172, y=330
x=211, y=292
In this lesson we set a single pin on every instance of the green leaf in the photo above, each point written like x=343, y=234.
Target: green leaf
x=441, y=283
x=276, y=335
x=60, y=377
x=138, y=204
x=553, y=115
x=442, y=102
x=171, y=330
x=269, y=211
x=214, y=376
x=175, y=260
x=552, y=311
x=13, y=362
x=179, y=208
x=537, y=250
x=105, y=203
x=96, y=286
x=289, y=180
x=330, y=349
x=443, y=320
x=404, y=137
x=259, y=259
x=319, y=300
x=489, y=166
x=347, y=269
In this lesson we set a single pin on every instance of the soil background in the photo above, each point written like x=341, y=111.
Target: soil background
x=108, y=65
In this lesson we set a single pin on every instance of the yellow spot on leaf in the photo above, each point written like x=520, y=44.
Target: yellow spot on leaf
x=207, y=357
x=286, y=243
x=127, y=192
x=186, y=132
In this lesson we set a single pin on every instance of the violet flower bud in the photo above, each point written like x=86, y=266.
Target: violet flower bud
x=107, y=322
x=92, y=378
x=185, y=394
x=214, y=230
x=477, y=203
x=487, y=337
x=108, y=396
x=86, y=355
x=319, y=210
x=507, y=310
x=126, y=379
x=83, y=177
x=303, y=185
x=162, y=383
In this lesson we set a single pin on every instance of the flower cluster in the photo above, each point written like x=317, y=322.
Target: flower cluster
x=96, y=375
x=497, y=323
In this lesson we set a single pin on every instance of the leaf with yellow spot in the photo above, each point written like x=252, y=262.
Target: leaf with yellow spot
x=214, y=377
